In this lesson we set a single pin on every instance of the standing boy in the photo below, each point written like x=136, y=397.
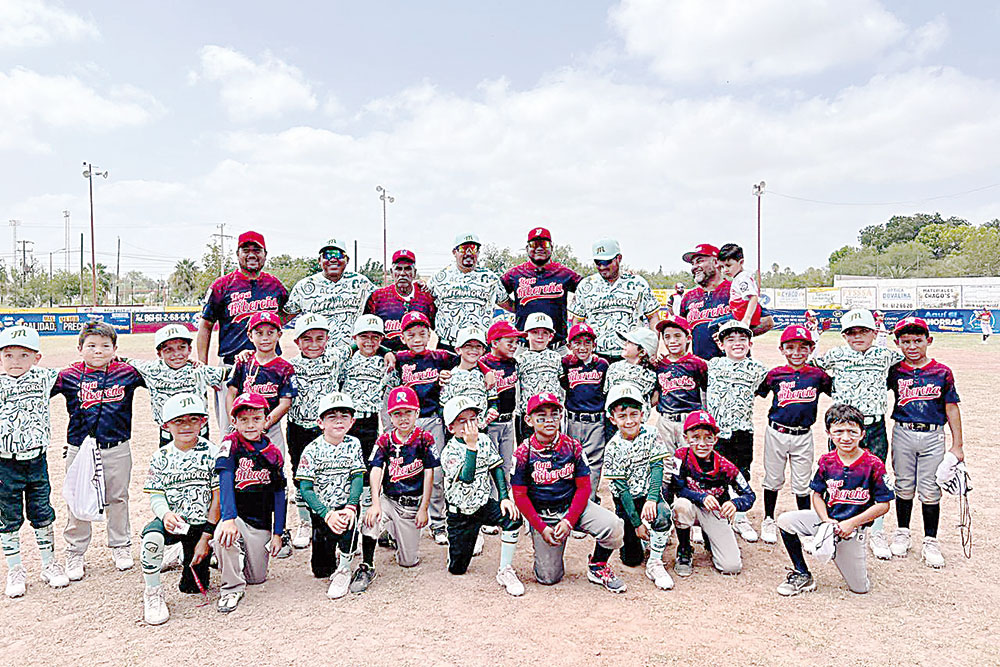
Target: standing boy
x=681, y=378
x=503, y=337
x=538, y=367
x=467, y=379
x=583, y=379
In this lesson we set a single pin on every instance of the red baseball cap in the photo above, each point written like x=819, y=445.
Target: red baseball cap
x=676, y=321
x=412, y=319
x=502, y=329
x=911, y=323
x=700, y=418
x=404, y=256
x=795, y=332
x=539, y=233
x=251, y=237
x=248, y=401
x=706, y=249
x=541, y=400
x=264, y=317
x=403, y=398
x=581, y=329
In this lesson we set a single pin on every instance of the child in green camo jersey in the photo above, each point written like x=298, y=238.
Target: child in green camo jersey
x=539, y=369
x=467, y=379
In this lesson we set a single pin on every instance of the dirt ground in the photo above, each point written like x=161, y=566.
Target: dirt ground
x=913, y=615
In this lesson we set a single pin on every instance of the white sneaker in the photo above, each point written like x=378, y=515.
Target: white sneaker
x=302, y=536
x=229, y=601
x=769, y=531
x=54, y=575
x=900, y=543
x=154, y=606
x=441, y=536
x=490, y=530
x=507, y=578
x=931, y=553
x=17, y=581
x=480, y=543
x=745, y=530
x=173, y=557
x=879, y=545
x=656, y=573
x=696, y=535
x=75, y=567
x=340, y=583
x=122, y=557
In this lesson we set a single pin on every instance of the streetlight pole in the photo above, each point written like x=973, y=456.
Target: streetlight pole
x=89, y=172
x=384, y=196
x=758, y=191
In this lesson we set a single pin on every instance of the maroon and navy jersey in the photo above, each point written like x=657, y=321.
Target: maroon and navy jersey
x=541, y=289
x=704, y=312
x=98, y=400
x=274, y=380
x=850, y=490
x=681, y=383
x=256, y=471
x=232, y=300
x=796, y=394
x=696, y=479
x=584, y=383
x=922, y=393
x=421, y=373
x=549, y=473
x=403, y=463
x=505, y=371
x=391, y=307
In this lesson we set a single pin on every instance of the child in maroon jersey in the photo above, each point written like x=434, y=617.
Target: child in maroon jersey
x=583, y=379
x=681, y=378
x=503, y=337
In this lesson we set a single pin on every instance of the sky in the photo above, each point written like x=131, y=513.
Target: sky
x=648, y=121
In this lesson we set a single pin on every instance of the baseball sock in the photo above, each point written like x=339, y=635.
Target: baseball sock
x=305, y=519
x=932, y=515
x=683, y=538
x=657, y=543
x=793, y=545
x=345, y=562
x=601, y=554
x=368, y=550
x=770, y=502
x=802, y=502
x=508, y=545
x=877, y=525
x=11, y=548
x=45, y=538
x=904, y=508
x=151, y=558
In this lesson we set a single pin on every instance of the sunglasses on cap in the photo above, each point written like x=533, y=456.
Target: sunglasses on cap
x=331, y=254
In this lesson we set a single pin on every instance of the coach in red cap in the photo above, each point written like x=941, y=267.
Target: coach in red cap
x=404, y=295
x=541, y=285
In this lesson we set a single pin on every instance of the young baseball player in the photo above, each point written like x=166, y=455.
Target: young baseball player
x=402, y=477
x=99, y=391
x=860, y=372
x=184, y=496
x=538, y=367
x=788, y=439
x=925, y=400
x=583, y=379
x=633, y=464
x=252, y=498
x=331, y=477
x=881, y=333
x=468, y=380
x=744, y=295
x=503, y=338
x=732, y=382
x=985, y=318
x=849, y=491
x=472, y=468
x=681, y=378
x=638, y=350
x=25, y=432
x=709, y=492
x=551, y=486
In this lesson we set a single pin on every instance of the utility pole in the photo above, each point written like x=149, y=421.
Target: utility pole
x=222, y=236
x=89, y=172
x=81, y=268
x=24, y=258
x=14, y=224
x=118, y=266
x=384, y=196
x=758, y=191
x=66, y=243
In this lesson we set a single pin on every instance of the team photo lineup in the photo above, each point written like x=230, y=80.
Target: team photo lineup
x=535, y=409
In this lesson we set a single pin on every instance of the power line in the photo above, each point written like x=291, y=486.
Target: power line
x=886, y=203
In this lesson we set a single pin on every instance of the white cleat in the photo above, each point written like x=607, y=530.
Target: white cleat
x=769, y=531
x=931, y=553
x=54, y=575
x=879, y=545
x=75, y=567
x=900, y=544
x=17, y=581
x=154, y=606
x=658, y=574
x=507, y=578
x=340, y=583
x=122, y=556
x=302, y=536
x=480, y=543
x=745, y=530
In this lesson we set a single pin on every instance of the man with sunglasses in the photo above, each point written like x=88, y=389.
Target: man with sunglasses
x=405, y=294
x=465, y=294
x=613, y=301
x=541, y=285
x=336, y=293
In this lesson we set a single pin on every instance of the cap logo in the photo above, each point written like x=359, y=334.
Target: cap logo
x=600, y=248
x=18, y=333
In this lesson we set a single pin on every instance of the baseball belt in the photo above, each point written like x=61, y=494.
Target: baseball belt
x=922, y=428
x=406, y=501
x=110, y=445
x=26, y=455
x=673, y=416
x=869, y=420
x=789, y=430
x=585, y=417
x=506, y=417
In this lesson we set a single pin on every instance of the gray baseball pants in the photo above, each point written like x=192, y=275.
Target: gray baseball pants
x=117, y=462
x=915, y=458
x=401, y=523
x=849, y=555
x=796, y=451
x=597, y=521
x=438, y=510
x=256, y=555
x=718, y=531
x=591, y=436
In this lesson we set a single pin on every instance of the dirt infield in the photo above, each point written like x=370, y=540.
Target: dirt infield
x=425, y=616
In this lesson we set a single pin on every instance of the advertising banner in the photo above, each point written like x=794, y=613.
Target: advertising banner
x=857, y=297
x=897, y=298
x=944, y=296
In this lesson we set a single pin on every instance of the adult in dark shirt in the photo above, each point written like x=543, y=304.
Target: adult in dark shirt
x=394, y=301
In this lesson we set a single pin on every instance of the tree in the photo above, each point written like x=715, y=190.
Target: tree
x=902, y=228
x=943, y=238
x=290, y=270
x=496, y=259
x=981, y=250
x=373, y=271
x=184, y=282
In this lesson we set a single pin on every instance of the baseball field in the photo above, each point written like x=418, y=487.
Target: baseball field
x=913, y=615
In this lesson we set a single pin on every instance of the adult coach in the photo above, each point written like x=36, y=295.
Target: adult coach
x=613, y=301
x=541, y=285
x=231, y=301
x=707, y=304
x=394, y=301
x=335, y=293
x=465, y=294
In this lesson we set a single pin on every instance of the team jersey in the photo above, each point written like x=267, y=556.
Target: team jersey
x=696, y=479
x=185, y=479
x=614, y=308
x=232, y=300
x=365, y=380
x=330, y=469
x=859, y=378
x=796, y=394
x=922, y=393
x=468, y=497
x=850, y=490
x=680, y=383
x=421, y=372
x=387, y=303
x=274, y=380
x=339, y=302
x=98, y=400
x=731, y=388
x=631, y=460
x=537, y=372
x=505, y=373
x=584, y=383
x=541, y=289
x=164, y=381
x=258, y=475
x=549, y=472
x=744, y=287
x=464, y=300
x=704, y=311
x=470, y=383
x=641, y=376
x=25, y=422
x=404, y=463
x=314, y=379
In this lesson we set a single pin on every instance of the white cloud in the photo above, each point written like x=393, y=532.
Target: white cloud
x=32, y=23
x=252, y=90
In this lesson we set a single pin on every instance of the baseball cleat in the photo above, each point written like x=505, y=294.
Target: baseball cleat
x=155, y=610
x=302, y=536
x=75, y=567
x=744, y=529
x=440, y=536
x=769, y=531
x=122, y=556
x=229, y=601
x=362, y=579
x=879, y=545
x=507, y=578
x=697, y=537
x=480, y=543
x=490, y=530
x=286, y=546
x=387, y=541
x=931, y=553
x=658, y=574
x=17, y=581
x=578, y=534
x=797, y=582
x=602, y=575
x=172, y=557
x=900, y=543
x=340, y=582
x=684, y=565
x=54, y=575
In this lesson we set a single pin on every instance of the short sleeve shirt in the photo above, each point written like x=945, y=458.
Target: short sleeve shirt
x=922, y=393
x=422, y=372
x=631, y=460
x=505, y=373
x=164, y=381
x=538, y=372
x=274, y=380
x=704, y=311
x=391, y=307
x=24, y=410
x=681, y=383
x=613, y=308
x=341, y=302
x=541, y=289
x=314, y=379
x=641, y=376
x=731, y=389
x=470, y=383
x=232, y=300
x=469, y=497
x=404, y=463
x=741, y=290
x=464, y=300
x=584, y=383
x=859, y=378
x=549, y=473
x=796, y=394
x=850, y=490
x=364, y=379
x=99, y=401
x=330, y=469
x=185, y=479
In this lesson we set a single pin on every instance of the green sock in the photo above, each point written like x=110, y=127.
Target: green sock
x=46, y=537
x=151, y=557
x=657, y=543
x=508, y=545
x=11, y=548
x=345, y=562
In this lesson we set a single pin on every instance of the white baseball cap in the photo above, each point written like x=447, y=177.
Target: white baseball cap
x=470, y=237
x=307, y=322
x=335, y=401
x=171, y=332
x=859, y=317
x=539, y=321
x=644, y=338
x=20, y=336
x=470, y=333
x=456, y=406
x=369, y=324
x=605, y=249
x=180, y=405
x=624, y=391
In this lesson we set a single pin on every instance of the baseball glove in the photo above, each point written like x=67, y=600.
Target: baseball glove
x=824, y=542
x=952, y=476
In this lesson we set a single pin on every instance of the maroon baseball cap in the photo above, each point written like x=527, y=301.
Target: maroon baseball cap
x=403, y=398
x=264, y=317
x=251, y=237
x=541, y=400
x=702, y=249
x=795, y=332
x=502, y=329
x=412, y=319
x=676, y=321
x=248, y=401
x=539, y=233
x=581, y=329
x=700, y=418
x=404, y=256
x=911, y=323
